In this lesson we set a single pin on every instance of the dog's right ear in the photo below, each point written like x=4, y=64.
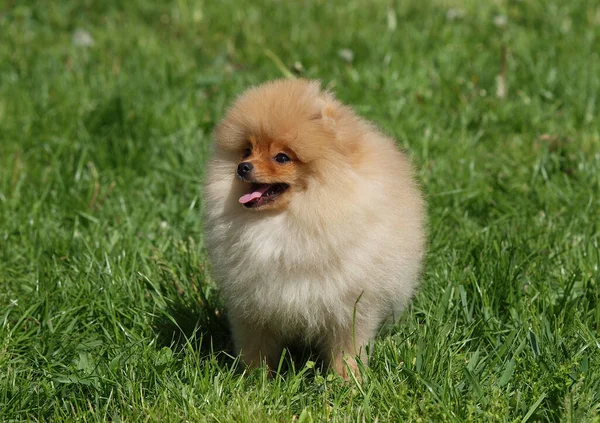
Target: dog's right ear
x=229, y=135
x=223, y=133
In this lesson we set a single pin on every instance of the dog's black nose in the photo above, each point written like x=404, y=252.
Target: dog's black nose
x=244, y=169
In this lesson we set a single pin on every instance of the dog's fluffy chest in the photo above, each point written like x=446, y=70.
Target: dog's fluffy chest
x=296, y=278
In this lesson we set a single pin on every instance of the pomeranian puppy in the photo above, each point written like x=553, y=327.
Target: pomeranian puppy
x=314, y=224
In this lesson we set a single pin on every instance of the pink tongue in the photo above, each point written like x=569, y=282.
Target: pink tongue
x=257, y=193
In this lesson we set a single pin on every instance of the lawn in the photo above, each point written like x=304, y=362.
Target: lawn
x=107, y=308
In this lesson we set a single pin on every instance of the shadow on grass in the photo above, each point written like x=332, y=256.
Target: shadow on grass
x=203, y=328
x=208, y=333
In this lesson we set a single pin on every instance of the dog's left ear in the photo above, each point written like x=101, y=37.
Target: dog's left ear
x=327, y=111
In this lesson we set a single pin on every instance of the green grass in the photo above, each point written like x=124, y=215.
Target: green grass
x=107, y=309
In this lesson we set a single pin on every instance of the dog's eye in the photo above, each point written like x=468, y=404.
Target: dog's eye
x=247, y=152
x=282, y=158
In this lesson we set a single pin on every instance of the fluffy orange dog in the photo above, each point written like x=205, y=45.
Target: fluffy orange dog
x=314, y=224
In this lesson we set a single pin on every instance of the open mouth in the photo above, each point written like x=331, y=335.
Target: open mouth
x=260, y=194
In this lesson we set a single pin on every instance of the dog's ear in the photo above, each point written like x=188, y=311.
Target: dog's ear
x=326, y=111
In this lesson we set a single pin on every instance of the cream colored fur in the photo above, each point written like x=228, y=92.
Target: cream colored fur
x=346, y=252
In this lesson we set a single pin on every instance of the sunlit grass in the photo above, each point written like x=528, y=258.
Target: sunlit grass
x=107, y=309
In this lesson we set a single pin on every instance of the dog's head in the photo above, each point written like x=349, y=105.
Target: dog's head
x=278, y=134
